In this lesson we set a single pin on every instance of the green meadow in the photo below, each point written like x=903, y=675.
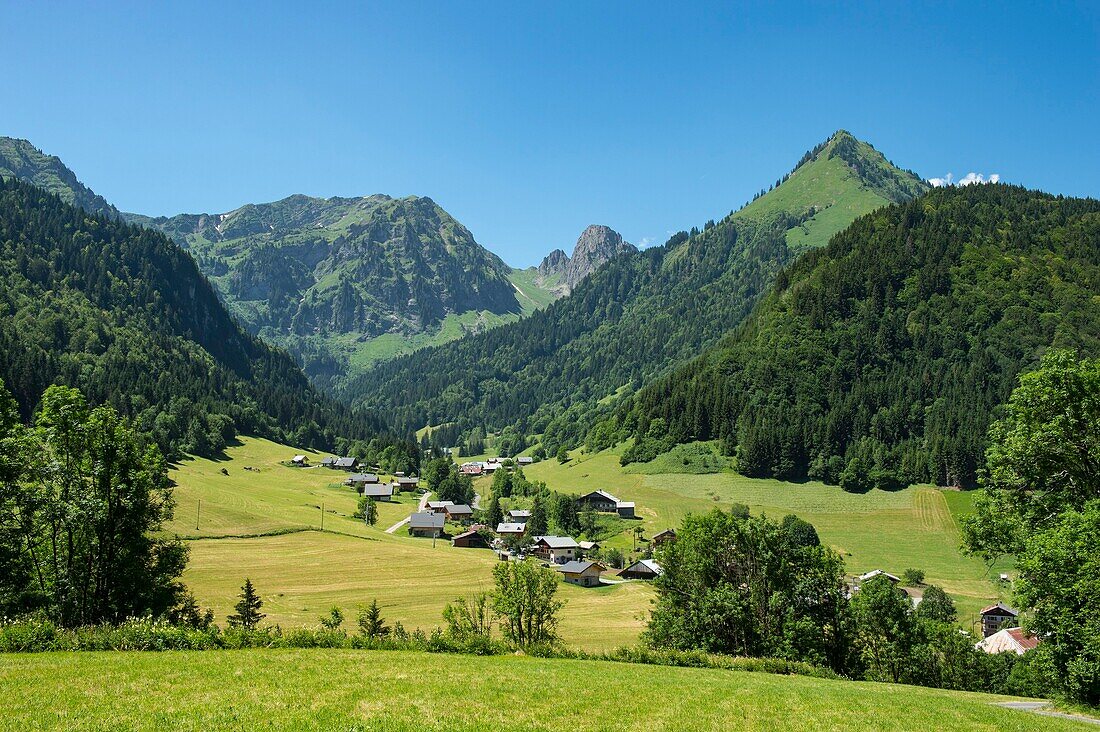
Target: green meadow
x=407, y=691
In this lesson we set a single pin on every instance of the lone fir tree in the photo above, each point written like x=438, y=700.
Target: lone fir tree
x=248, y=613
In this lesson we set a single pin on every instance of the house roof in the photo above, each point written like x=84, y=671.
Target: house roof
x=643, y=564
x=362, y=478
x=525, y=460
x=377, y=490
x=510, y=528
x=999, y=609
x=460, y=508
x=878, y=573
x=519, y=513
x=557, y=542
x=601, y=494
x=345, y=462
x=407, y=479
x=466, y=534
x=587, y=545
x=579, y=567
x=426, y=520
x=439, y=504
x=625, y=504
x=298, y=458
x=328, y=460
x=1008, y=639
x=663, y=534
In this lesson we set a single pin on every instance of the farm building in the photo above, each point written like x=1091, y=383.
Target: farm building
x=378, y=491
x=459, y=512
x=996, y=617
x=346, y=463
x=406, y=483
x=1008, y=639
x=519, y=516
x=625, y=509
x=878, y=573
x=598, y=501
x=471, y=469
x=557, y=549
x=585, y=574
x=525, y=460
x=470, y=540
x=644, y=569
x=299, y=461
x=511, y=529
x=426, y=523
x=664, y=537
x=438, y=506
x=585, y=547
x=328, y=462
x=360, y=479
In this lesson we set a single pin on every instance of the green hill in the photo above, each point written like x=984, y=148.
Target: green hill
x=342, y=282
x=885, y=355
x=635, y=317
x=22, y=160
x=405, y=691
x=122, y=313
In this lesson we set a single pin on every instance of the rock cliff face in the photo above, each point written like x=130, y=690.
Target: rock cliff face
x=597, y=244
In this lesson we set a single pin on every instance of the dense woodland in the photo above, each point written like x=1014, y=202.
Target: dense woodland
x=881, y=359
x=122, y=313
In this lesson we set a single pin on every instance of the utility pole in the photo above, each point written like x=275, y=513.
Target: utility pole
x=322, y=516
x=198, y=508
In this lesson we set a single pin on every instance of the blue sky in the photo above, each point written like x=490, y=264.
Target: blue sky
x=528, y=121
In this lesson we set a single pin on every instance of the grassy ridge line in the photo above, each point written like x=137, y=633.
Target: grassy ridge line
x=407, y=691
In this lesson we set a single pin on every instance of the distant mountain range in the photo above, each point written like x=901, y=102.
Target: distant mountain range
x=561, y=370
x=343, y=282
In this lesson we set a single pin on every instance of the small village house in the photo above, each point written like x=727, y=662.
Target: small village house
x=299, y=461
x=328, y=462
x=346, y=463
x=1015, y=640
x=601, y=501
x=519, y=516
x=584, y=548
x=585, y=574
x=664, y=537
x=405, y=483
x=643, y=569
x=556, y=549
x=426, y=523
x=470, y=540
x=507, y=529
x=361, y=479
x=459, y=513
x=437, y=506
x=625, y=509
x=525, y=460
x=997, y=616
x=378, y=491
x=878, y=573
x=471, y=469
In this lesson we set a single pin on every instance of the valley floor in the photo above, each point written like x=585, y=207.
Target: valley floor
x=264, y=523
x=406, y=691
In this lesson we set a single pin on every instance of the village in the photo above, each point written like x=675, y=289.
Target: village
x=585, y=562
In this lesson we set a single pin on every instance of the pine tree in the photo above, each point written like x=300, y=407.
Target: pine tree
x=496, y=514
x=248, y=613
x=371, y=622
x=536, y=524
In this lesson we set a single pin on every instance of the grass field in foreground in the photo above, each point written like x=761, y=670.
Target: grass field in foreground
x=301, y=575
x=399, y=691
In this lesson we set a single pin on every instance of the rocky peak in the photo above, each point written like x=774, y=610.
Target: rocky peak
x=553, y=263
x=597, y=244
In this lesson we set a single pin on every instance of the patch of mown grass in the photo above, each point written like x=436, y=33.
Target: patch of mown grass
x=324, y=689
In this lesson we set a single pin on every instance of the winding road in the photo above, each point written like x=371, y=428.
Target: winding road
x=423, y=504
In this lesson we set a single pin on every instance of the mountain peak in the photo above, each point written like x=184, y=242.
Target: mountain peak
x=21, y=160
x=596, y=244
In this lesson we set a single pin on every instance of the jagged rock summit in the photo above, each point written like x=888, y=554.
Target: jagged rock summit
x=597, y=244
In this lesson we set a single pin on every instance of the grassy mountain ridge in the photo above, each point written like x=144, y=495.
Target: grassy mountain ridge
x=623, y=325
x=122, y=313
x=882, y=358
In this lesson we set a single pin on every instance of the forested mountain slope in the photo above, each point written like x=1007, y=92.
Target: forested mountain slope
x=325, y=277
x=22, y=160
x=630, y=320
x=122, y=313
x=882, y=358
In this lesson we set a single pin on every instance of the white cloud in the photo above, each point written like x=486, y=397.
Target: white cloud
x=966, y=180
x=646, y=242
